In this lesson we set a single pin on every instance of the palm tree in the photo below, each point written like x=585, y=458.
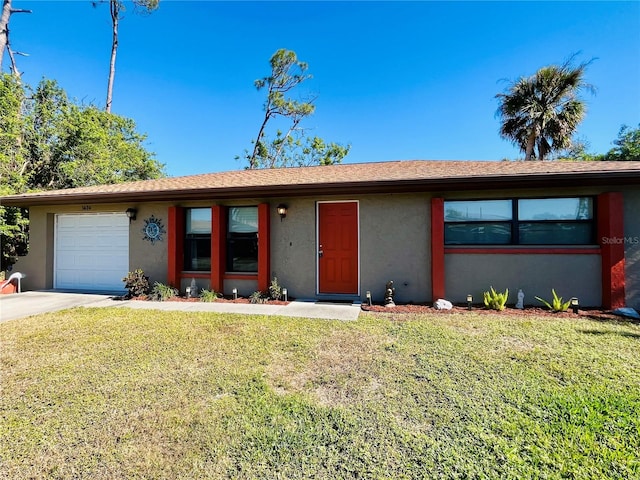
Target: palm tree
x=540, y=113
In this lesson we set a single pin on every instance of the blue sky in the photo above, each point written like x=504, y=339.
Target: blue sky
x=396, y=80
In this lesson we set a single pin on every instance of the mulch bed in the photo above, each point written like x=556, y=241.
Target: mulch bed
x=591, y=313
x=197, y=299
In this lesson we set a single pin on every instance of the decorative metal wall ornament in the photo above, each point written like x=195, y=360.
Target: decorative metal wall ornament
x=153, y=229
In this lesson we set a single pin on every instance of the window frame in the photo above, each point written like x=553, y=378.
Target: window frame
x=515, y=223
x=192, y=239
x=244, y=237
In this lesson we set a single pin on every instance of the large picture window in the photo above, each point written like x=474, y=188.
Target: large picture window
x=542, y=221
x=197, y=243
x=242, y=240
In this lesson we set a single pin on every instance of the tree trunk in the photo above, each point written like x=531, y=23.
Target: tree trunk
x=531, y=142
x=4, y=27
x=253, y=162
x=114, y=5
x=5, y=16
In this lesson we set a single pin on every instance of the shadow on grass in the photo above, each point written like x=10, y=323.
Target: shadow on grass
x=611, y=332
x=609, y=317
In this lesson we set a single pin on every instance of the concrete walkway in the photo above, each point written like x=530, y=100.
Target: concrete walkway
x=25, y=304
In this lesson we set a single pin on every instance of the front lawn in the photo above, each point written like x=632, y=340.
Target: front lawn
x=119, y=393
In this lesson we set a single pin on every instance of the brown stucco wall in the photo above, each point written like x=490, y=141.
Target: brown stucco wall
x=632, y=247
x=394, y=245
x=150, y=257
x=293, y=246
x=34, y=264
x=570, y=276
x=245, y=287
x=390, y=227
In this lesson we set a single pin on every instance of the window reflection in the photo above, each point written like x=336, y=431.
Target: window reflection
x=556, y=209
x=197, y=243
x=242, y=240
x=477, y=210
x=544, y=221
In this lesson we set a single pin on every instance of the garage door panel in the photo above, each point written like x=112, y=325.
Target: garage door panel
x=86, y=241
x=90, y=280
x=92, y=251
x=87, y=262
x=66, y=280
x=103, y=262
x=66, y=259
x=112, y=242
x=67, y=240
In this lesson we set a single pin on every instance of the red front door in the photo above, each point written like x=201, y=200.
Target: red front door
x=338, y=248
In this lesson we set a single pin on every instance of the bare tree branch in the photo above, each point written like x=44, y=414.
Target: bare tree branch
x=14, y=68
x=114, y=8
x=5, y=16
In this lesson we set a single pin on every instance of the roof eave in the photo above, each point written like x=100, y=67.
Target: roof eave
x=564, y=179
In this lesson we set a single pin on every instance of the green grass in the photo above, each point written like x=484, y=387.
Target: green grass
x=118, y=393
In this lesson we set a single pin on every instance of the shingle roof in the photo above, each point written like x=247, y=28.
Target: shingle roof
x=362, y=177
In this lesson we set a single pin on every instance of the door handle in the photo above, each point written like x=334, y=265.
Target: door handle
x=320, y=253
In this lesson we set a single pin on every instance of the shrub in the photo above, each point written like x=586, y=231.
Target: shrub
x=496, y=300
x=162, y=292
x=208, y=295
x=556, y=304
x=258, y=297
x=275, y=290
x=136, y=283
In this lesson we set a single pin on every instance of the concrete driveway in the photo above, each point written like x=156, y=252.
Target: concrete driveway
x=19, y=305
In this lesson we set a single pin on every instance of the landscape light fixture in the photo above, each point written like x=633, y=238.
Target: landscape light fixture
x=235, y=293
x=188, y=291
x=131, y=213
x=282, y=210
x=469, y=301
x=285, y=294
x=575, y=304
x=369, y=297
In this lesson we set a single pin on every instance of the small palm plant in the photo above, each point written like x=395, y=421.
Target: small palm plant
x=496, y=300
x=556, y=305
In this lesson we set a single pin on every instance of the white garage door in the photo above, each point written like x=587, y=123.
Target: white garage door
x=91, y=251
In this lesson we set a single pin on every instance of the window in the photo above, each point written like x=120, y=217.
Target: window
x=555, y=221
x=242, y=240
x=478, y=222
x=543, y=221
x=197, y=243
